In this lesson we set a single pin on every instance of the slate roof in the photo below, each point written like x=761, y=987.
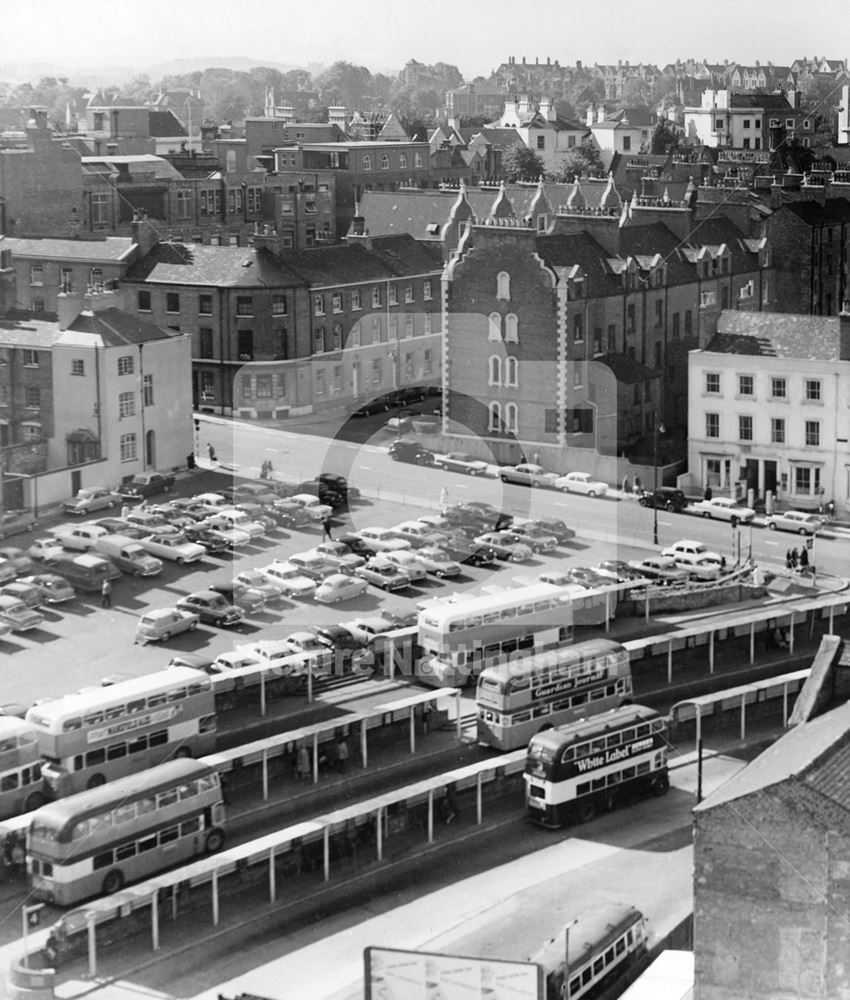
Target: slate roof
x=777, y=335
x=834, y=210
x=164, y=123
x=116, y=328
x=108, y=250
x=26, y=329
x=392, y=256
x=567, y=250
x=143, y=162
x=775, y=102
x=201, y=264
x=815, y=753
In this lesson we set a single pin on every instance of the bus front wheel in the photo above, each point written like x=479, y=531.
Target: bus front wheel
x=214, y=841
x=587, y=811
x=114, y=882
x=661, y=785
x=95, y=781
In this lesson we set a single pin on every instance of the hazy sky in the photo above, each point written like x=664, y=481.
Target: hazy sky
x=475, y=35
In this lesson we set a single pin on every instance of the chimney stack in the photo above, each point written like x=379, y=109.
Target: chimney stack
x=69, y=305
x=143, y=234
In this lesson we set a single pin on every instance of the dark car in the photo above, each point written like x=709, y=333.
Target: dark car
x=554, y=527
x=356, y=545
x=475, y=513
x=665, y=498
x=379, y=405
x=242, y=596
x=411, y=451
x=336, y=637
x=470, y=553
x=146, y=484
x=203, y=536
x=339, y=484
x=212, y=608
x=326, y=494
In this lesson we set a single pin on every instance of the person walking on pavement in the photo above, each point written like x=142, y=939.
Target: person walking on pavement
x=211, y=451
x=327, y=528
x=302, y=764
x=795, y=558
x=626, y=485
x=708, y=493
x=106, y=594
x=804, y=559
x=637, y=486
x=789, y=561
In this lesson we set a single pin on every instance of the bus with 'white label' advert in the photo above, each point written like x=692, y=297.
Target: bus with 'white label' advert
x=574, y=772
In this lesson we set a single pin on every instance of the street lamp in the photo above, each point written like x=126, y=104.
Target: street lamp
x=658, y=428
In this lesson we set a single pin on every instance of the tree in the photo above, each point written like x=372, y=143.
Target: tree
x=575, y=163
x=344, y=82
x=450, y=76
x=521, y=163
x=665, y=138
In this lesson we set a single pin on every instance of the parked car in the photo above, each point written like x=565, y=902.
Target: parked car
x=290, y=579
x=177, y=548
x=459, y=461
x=32, y=597
x=79, y=538
x=290, y=514
x=355, y=544
x=794, y=520
x=213, y=500
x=211, y=541
x=229, y=519
x=382, y=573
x=87, y=501
x=316, y=565
x=340, y=551
x=7, y=571
x=231, y=538
x=581, y=482
x=438, y=561
x=45, y=548
x=146, y=484
x=257, y=514
x=410, y=451
x=313, y=505
x=54, y=589
x=581, y=576
x=471, y=553
x=409, y=562
x=378, y=405
x=128, y=555
x=660, y=569
x=22, y=562
x=118, y=526
x=551, y=526
x=690, y=550
x=179, y=519
x=418, y=534
x=537, y=538
x=15, y=614
x=340, y=587
x=665, y=497
x=189, y=507
x=211, y=608
x=724, y=509
x=620, y=569
x=250, y=493
x=383, y=540
x=257, y=580
x=150, y=523
x=339, y=484
x=13, y=522
x=249, y=599
x=84, y=570
x=506, y=545
x=160, y=624
x=365, y=629
x=528, y=474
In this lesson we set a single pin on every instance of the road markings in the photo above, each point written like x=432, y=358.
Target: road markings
x=774, y=544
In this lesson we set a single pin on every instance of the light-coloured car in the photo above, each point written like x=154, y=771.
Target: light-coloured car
x=160, y=624
x=78, y=537
x=256, y=579
x=229, y=518
x=54, y=589
x=459, y=461
x=699, y=568
x=383, y=540
x=724, y=509
x=315, y=565
x=660, y=569
x=409, y=562
x=91, y=499
x=691, y=550
x=7, y=571
x=418, y=534
x=312, y=505
x=366, y=628
x=21, y=560
x=231, y=538
x=438, y=561
x=15, y=614
x=507, y=546
x=380, y=572
x=797, y=521
x=32, y=596
x=340, y=587
x=581, y=482
x=340, y=551
x=290, y=579
x=173, y=547
x=43, y=549
x=528, y=474
x=215, y=500
x=151, y=523
x=13, y=522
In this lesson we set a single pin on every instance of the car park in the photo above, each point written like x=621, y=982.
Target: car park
x=150, y=523
x=211, y=541
x=418, y=534
x=724, y=509
x=177, y=548
x=22, y=562
x=470, y=553
x=552, y=526
x=7, y=571
x=459, y=461
x=15, y=614
x=528, y=474
x=79, y=538
x=160, y=624
x=211, y=608
x=290, y=579
x=45, y=548
x=341, y=552
x=84, y=570
x=257, y=580
x=410, y=451
x=380, y=572
x=230, y=519
x=313, y=505
x=383, y=540
x=248, y=599
x=797, y=521
x=507, y=546
x=14, y=522
x=438, y=562
x=146, y=484
x=54, y=588
x=660, y=569
x=30, y=595
x=87, y=501
x=581, y=482
x=340, y=587
x=408, y=561
x=664, y=497
x=537, y=538
x=315, y=565
x=128, y=555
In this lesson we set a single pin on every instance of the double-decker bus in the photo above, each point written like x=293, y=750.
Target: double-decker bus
x=459, y=639
x=577, y=770
x=97, y=841
x=519, y=698
x=20, y=768
x=593, y=951
x=100, y=734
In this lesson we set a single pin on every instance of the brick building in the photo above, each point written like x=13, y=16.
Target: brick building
x=771, y=864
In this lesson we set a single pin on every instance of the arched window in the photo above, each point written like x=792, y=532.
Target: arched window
x=503, y=286
x=367, y=161
x=385, y=161
x=494, y=422
x=511, y=329
x=512, y=418
x=511, y=372
x=494, y=370
x=402, y=159
x=494, y=331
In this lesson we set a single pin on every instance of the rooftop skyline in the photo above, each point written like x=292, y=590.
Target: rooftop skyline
x=476, y=35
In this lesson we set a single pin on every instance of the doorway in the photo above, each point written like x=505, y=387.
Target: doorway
x=76, y=481
x=150, y=450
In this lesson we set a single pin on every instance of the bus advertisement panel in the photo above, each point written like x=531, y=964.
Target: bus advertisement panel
x=98, y=841
x=94, y=736
x=577, y=770
x=519, y=698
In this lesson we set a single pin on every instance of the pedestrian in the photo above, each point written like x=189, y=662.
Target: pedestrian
x=327, y=528
x=626, y=484
x=789, y=562
x=106, y=593
x=302, y=764
x=723, y=564
x=342, y=755
x=804, y=558
x=708, y=493
x=263, y=470
x=637, y=485
x=795, y=558
x=444, y=498
x=830, y=510
x=211, y=451
x=269, y=469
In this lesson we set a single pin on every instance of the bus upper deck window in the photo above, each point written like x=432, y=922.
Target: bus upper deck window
x=166, y=798
x=155, y=700
x=93, y=719
x=177, y=694
x=138, y=705
x=507, y=613
x=115, y=712
x=188, y=790
x=197, y=688
x=147, y=805
x=124, y=813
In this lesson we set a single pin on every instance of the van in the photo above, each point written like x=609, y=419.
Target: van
x=85, y=572
x=128, y=555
